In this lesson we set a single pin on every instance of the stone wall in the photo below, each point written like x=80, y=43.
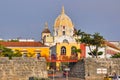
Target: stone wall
x=78, y=70
x=95, y=69
x=22, y=68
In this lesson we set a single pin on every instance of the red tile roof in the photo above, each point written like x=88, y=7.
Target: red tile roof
x=22, y=44
x=111, y=45
x=46, y=31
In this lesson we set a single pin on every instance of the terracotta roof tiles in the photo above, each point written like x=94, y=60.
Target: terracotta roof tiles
x=111, y=45
x=46, y=31
x=22, y=44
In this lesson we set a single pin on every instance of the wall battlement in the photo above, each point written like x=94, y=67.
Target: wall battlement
x=19, y=68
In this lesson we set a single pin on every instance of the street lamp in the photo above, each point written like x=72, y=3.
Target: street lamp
x=53, y=74
x=67, y=70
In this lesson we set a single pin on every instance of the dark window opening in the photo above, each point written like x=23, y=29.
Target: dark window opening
x=63, y=27
x=63, y=50
x=63, y=32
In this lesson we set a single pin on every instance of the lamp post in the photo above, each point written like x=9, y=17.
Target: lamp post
x=67, y=69
x=53, y=74
x=67, y=75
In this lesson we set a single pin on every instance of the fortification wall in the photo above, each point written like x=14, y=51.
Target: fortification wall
x=95, y=69
x=22, y=68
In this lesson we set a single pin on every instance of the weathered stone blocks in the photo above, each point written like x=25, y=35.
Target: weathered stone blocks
x=22, y=68
x=95, y=68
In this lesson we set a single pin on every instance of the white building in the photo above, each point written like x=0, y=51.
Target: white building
x=109, y=50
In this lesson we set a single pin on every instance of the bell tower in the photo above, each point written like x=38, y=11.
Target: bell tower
x=45, y=33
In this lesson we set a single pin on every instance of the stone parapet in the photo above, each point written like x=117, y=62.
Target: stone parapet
x=19, y=68
x=95, y=68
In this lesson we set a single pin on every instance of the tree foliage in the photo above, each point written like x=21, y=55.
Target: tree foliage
x=17, y=53
x=94, y=53
x=6, y=52
x=91, y=40
x=13, y=40
x=77, y=50
x=116, y=55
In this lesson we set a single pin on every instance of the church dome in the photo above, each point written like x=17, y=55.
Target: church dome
x=63, y=20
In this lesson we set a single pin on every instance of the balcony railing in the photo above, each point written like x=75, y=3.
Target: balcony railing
x=63, y=58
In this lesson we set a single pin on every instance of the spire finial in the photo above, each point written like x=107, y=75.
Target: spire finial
x=46, y=25
x=63, y=11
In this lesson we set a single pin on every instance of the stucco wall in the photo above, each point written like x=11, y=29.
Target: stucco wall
x=100, y=49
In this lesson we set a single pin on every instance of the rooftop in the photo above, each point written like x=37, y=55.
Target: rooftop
x=22, y=44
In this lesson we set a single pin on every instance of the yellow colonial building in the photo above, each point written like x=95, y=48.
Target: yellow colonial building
x=28, y=48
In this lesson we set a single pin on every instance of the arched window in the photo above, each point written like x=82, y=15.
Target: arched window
x=63, y=27
x=63, y=50
x=63, y=32
x=44, y=36
x=73, y=50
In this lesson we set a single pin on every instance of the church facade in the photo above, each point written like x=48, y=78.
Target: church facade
x=62, y=43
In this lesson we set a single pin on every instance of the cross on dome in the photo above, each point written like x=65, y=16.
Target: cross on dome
x=63, y=10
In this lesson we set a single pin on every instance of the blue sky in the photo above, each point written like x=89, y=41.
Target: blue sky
x=26, y=18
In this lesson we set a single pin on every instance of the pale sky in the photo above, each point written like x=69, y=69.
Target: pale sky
x=26, y=18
